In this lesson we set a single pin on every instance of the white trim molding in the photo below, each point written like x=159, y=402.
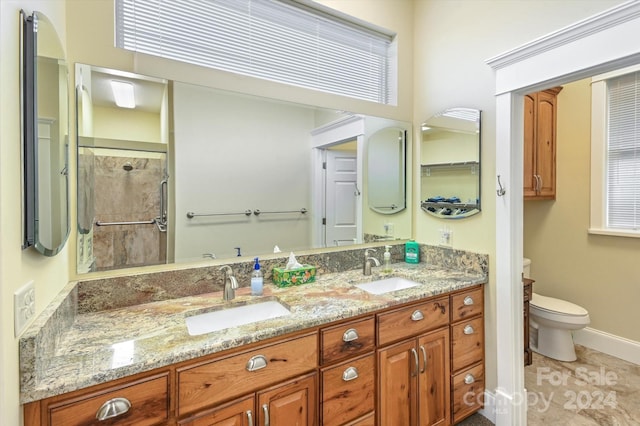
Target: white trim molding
x=599, y=44
x=610, y=344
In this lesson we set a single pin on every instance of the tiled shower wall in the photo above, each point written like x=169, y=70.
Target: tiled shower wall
x=127, y=196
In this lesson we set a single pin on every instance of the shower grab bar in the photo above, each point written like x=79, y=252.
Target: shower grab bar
x=191, y=215
x=137, y=222
x=257, y=212
x=161, y=220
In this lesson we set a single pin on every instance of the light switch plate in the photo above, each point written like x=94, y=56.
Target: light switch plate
x=24, y=306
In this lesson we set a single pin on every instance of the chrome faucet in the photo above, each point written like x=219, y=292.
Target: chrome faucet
x=230, y=283
x=366, y=268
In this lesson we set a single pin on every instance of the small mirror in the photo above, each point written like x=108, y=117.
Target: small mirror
x=450, y=164
x=386, y=170
x=45, y=123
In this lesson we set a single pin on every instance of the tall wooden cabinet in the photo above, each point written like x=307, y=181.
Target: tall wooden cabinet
x=540, y=117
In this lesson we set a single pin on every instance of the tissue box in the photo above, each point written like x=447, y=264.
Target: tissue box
x=290, y=277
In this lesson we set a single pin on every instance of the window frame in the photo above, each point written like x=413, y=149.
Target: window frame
x=599, y=154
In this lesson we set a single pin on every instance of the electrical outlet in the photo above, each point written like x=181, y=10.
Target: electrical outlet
x=445, y=237
x=24, y=306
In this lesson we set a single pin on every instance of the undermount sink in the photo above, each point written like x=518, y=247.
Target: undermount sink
x=234, y=317
x=387, y=285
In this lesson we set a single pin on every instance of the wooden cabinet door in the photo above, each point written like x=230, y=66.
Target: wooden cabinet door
x=546, y=144
x=433, y=381
x=238, y=413
x=530, y=181
x=397, y=373
x=293, y=403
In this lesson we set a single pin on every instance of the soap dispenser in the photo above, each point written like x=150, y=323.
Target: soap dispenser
x=386, y=263
x=256, y=279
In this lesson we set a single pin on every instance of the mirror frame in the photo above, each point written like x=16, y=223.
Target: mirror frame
x=463, y=209
x=30, y=161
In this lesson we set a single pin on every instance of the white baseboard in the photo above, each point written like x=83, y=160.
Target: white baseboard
x=610, y=344
x=489, y=410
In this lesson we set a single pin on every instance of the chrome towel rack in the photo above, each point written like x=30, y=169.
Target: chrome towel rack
x=191, y=215
x=258, y=212
x=136, y=222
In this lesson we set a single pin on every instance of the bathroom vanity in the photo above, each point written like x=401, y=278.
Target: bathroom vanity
x=335, y=360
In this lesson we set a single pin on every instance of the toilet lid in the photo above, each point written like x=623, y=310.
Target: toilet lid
x=551, y=304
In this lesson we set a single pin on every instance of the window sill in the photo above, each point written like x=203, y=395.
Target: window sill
x=614, y=233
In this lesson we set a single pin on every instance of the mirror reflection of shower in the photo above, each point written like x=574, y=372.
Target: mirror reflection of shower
x=123, y=203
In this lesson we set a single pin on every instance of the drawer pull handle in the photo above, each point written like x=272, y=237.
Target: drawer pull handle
x=256, y=363
x=349, y=374
x=350, y=335
x=468, y=379
x=468, y=301
x=249, y=418
x=424, y=359
x=265, y=409
x=113, y=408
x=417, y=315
x=415, y=358
x=468, y=329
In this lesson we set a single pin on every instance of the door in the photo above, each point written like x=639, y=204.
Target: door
x=237, y=413
x=546, y=140
x=433, y=382
x=397, y=369
x=341, y=198
x=290, y=404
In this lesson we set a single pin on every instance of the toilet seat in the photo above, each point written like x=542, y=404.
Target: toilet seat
x=557, y=306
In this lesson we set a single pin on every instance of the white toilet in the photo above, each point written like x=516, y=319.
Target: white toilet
x=551, y=322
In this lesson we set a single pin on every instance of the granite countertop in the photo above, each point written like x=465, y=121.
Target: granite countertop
x=106, y=345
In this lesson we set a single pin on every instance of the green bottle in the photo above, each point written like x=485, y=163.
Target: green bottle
x=412, y=252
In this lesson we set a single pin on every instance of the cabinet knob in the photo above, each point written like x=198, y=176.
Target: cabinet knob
x=415, y=359
x=424, y=359
x=468, y=301
x=417, y=315
x=468, y=329
x=256, y=363
x=468, y=379
x=249, y=418
x=349, y=374
x=350, y=335
x=113, y=408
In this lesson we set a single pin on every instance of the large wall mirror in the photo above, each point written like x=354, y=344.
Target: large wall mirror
x=45, y=131
x=450, y=163
x=189, y=172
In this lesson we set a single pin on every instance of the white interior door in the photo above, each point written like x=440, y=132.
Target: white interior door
x=341, y=197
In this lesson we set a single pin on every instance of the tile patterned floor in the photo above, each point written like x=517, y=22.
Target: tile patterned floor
x=597, y=389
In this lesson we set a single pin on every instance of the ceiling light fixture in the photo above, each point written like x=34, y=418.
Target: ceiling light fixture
x=123, y=94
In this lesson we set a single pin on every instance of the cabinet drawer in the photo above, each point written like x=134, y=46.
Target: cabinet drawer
x=346, y=340
x=467, y=343
x=468, y=392
x=348, y=391
x=148, y=398
x=219, y=380
x=412, y=320
x=467, y=304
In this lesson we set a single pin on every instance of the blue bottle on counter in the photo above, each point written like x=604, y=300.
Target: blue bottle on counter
x=256, y=279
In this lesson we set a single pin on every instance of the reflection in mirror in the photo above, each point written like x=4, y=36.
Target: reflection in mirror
x=225, y=174
x=386, y=170
x=450, y=164
x=45, y=136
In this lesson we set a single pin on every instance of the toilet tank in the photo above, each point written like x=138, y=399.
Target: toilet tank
x=526, y=267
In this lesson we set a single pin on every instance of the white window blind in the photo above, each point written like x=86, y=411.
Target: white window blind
x=288, y=41
x=623, y=152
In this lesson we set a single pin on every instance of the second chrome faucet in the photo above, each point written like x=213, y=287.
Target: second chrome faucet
x=366, y=267
x=230, y=283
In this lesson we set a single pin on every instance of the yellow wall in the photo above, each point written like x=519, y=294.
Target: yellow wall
x=17, y=267
x=133, y=125
x=444, y=67
x=597, y=272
